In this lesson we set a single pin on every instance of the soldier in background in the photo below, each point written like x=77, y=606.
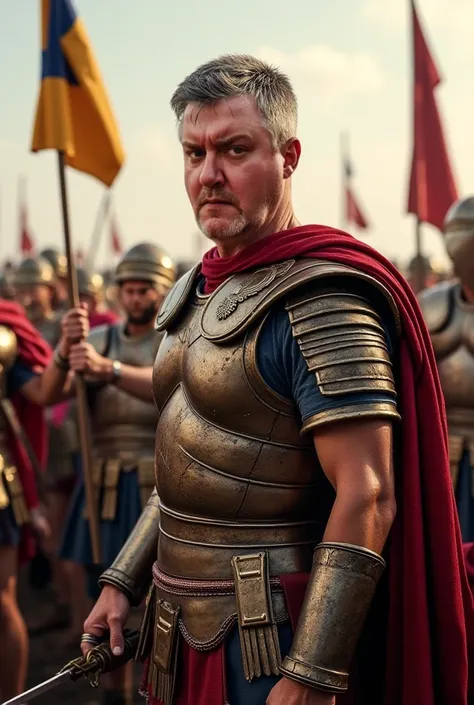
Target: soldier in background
x=34, y=282
x=58, y=262
x=91, y=290
x=30, y=377
x=118, y=360
x=448, y=309
x=36, y=287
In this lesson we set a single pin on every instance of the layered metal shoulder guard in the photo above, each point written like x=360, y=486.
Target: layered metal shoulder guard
x=99, y=338
x=243, y=299
x=343, y=341
x=176, y=299
x=437, y=304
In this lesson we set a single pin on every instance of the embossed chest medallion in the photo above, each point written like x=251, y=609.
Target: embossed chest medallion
x=251, y=286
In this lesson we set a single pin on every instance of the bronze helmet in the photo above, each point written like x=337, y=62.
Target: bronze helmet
x=459, y=239
x=89, y=284
x=146, y=262
x=56, y=260
x=34, y=270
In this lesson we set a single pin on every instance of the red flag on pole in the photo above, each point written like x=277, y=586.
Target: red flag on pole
x=432, y=187
x=26, y=241
x=352, y=210
x=115, y=240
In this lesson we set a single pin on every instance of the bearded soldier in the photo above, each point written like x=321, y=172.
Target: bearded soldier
x=448, y=309
x=279, y=461
x=117, y=360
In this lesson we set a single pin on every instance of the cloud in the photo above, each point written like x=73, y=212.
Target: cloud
x=330, y=74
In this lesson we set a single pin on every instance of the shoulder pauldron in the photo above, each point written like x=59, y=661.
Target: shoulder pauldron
x=343, y=341
x=436, y=305
x=176, y=299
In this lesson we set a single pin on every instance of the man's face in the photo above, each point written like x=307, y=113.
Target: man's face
x=233, y=174
x=37, y=299
x=140, y=301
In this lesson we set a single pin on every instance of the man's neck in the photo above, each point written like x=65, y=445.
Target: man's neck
x=283, y=221
x=136, y=330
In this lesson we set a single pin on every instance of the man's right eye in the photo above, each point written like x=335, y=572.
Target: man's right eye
x=195, y=153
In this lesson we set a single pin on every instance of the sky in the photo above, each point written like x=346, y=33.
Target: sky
x=350, y=64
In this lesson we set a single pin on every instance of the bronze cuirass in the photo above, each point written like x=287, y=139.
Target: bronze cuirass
x=50, y=329
x=123, y=424
x=233, y=472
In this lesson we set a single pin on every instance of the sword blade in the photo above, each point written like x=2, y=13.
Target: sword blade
x=39, y=689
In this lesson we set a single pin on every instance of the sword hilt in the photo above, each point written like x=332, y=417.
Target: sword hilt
x=100, y=659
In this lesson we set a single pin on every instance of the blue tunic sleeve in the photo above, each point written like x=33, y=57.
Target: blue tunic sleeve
x=284, y=369
x=17, y=376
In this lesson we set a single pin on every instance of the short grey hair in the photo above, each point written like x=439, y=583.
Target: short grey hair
x=241, y=74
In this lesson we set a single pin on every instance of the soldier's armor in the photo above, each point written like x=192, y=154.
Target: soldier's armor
x=123, y=426
x=11, y=491
x=234, y=473
x=450, y=321
x=50, y=328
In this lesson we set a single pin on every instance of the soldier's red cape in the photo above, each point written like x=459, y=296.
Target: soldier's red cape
x=35, y=353
x=430, y=607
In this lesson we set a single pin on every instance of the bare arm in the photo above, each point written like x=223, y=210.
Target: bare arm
x=357, y=459
x=52, y=385
x=136, y=381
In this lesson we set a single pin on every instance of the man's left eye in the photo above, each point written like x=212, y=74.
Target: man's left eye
x=238, y=150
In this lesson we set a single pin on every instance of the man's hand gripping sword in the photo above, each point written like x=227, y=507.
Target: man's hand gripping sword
x=99, y=660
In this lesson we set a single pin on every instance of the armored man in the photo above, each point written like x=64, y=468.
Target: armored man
x=302, y=538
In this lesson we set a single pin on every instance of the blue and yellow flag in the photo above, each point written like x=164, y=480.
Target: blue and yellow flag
x=73, y=114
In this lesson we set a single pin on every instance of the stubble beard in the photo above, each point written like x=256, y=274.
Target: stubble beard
x=148, y=315
x=236, y=227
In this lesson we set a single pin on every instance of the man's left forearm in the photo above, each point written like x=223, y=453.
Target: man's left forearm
x=362, y=519
x=357, y=460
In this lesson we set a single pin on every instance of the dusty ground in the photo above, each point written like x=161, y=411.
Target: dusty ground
x=50, y=652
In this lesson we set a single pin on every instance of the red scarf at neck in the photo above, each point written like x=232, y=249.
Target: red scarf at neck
x=430, y=601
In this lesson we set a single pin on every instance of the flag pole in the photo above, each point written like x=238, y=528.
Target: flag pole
x=420, y=282
x=343, y=142
x=83, y=421
x=95, y=240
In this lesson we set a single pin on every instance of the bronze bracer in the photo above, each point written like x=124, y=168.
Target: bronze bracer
x=339, y=593
x=131, y=570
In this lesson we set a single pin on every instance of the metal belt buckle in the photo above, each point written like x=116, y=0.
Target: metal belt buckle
x=252, y=589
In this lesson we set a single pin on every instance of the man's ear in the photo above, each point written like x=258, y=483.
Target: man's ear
x=291, y=153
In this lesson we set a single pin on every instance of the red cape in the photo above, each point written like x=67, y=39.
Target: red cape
x=34, y=352
x=430, y=606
